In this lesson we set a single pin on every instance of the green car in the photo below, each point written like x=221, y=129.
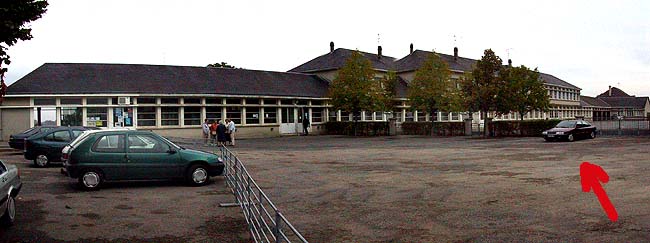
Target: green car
x=116, y=155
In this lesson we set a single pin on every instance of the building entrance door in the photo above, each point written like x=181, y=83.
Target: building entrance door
x=288, y=120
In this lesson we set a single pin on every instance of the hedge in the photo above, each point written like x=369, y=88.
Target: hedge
x=440, y=129
x=363, y=128
x=531, y=128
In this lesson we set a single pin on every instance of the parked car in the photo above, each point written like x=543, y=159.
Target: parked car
x=109, y=155
x=570, y=130
x=17, y=141
x=45, y=147
x=10, y=186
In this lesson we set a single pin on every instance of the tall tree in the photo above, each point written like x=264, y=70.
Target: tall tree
x=14, y=15
x=355, y=89
x=221, y=65
x=523, y=91
x=432, y=88
x=487, y=83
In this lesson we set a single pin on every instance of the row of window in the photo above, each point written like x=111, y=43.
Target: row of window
x=197, y=101
x=563, y=95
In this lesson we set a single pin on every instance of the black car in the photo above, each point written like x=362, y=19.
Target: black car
x=45, y=147
x=17, y=140
x=570, y=130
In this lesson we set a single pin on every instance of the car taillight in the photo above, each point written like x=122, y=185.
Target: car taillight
x=64, y=156
x=25, y=143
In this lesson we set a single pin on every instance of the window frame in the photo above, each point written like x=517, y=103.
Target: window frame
x=116, y=150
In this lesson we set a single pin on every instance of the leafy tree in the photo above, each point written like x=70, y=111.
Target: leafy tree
x=487, y=83
x=432, y=88
x=523, y=91
x=468, y=93
x=221, y=65
x=387, y=93
x=14, y=15
x=355, y=89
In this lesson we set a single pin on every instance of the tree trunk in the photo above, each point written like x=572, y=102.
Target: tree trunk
x=433, y=121
x=521, y=116
x=354, y=120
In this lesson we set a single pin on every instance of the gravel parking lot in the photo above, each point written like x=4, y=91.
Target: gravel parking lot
x=51, y=209
x=381, y=189
x=420, y=189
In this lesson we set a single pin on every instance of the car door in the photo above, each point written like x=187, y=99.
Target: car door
x=108, y=154
x=54, y=142
x=4, y=186
x=151, y=158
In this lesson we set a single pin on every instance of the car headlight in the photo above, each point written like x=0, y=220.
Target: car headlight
x=219, y=159
x=544, y=132
x=560, y=133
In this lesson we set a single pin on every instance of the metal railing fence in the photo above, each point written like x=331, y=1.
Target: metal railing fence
x=623, y=127
x=265, y=222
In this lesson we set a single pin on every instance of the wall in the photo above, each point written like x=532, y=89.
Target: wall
x=242, y=132
x=14, y=121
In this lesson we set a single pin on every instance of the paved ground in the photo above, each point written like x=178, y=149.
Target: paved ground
x=51, y=209
x=386, y=189
x=418, y=189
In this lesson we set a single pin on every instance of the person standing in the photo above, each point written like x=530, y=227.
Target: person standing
x=232, y=129
x=206, y=131
x=221, y=133
x=305, y=125
x=213, y=133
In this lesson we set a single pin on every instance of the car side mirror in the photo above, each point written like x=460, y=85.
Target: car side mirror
x=171, y=151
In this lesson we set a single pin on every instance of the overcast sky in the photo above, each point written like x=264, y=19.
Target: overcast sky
x=591, y=44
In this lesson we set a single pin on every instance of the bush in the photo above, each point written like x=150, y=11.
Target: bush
x=363, y=128
x=532, y=128
x=440, y=129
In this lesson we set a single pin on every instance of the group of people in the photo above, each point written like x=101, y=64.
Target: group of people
x=221, y=133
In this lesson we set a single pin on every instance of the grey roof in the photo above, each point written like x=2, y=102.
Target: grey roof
x=635, y=102
x=592, y=101
x=90, y=78
x=550, y=79
x=414, y=60
x=616, y=92
x=337, y=58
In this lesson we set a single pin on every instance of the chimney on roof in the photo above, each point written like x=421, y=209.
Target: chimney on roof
x=331, y=46
x=379, y=51
x=610, y=90
x=455, y=53
x=411, y=48
x=510, y=62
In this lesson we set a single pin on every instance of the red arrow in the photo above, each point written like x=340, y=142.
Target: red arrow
x=590, y=177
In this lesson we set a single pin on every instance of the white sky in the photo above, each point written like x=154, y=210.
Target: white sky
x=591, y=44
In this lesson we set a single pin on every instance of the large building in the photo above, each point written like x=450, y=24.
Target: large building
x=174, y=100
x=615, y=104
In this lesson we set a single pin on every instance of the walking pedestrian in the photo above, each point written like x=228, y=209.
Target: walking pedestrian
x=206, y=132
x=232, y=129
x=221, y=133
x=305, y=125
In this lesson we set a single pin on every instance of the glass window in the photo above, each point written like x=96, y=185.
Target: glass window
x=76, y=133
x=143, y=100
x=234, y=114
x=379, y=116
x=287, y=102
x=146, y=144
x=302, y=102
x=71, y=116
x=270, y=115
x=109, y=144
x=398, y=115
x=409, y=116
x=96, y=116
x=233, y=101
x=213, y=113
x=96, y=101
x=252, y=101
x=332, y=115
x=422, y=116
x=317, y=114
x=192, y=116
x=345, y=116
x=287, y=115
x=58, y=136
x=270, y=102
x=316, y=102
x=123, y=117
x=71, y=101
x=146, y=116
x=192, y=101
x=252, y=115
x=169, y=101
x=44, y=102
x=455, y=116
x=213, y=101
x=169, y=116
x=444, y=116
x=367, y=115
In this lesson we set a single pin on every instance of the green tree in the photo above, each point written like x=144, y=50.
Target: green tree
x=432, y=89
x=523, y=91
x=355, y=89
x=14, y=15
x=487, y=84
x=221, y=65
x=388, y=92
